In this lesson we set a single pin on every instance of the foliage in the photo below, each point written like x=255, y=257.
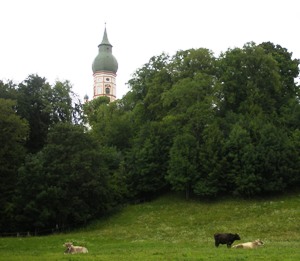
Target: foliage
x=8, y=90
x=13, y=132
x=34, y=106
x=182, y=171
x=240, y=112
x=147, y=161
x=43, y=105
x=109, y=123
x=207, y=126
x=68, y=183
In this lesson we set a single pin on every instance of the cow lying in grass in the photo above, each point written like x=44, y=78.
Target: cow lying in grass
x=74, y=249
x=226, y=238
x=250, y=245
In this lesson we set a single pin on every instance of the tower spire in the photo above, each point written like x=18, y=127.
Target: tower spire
x=105, y=38
x=105, y=68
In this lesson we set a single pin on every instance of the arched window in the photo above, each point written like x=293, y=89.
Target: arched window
x=107, y=88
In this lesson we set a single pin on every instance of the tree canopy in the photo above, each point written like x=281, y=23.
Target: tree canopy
x=194, y=123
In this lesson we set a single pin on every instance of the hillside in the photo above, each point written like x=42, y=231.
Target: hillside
x=170, y=228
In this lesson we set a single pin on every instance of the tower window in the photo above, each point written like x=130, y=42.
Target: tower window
x=107, y=88
x=107, y=79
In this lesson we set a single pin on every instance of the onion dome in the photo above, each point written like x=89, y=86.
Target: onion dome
x=105, y=61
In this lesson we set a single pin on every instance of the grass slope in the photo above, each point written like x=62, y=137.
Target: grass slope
x=171, y=228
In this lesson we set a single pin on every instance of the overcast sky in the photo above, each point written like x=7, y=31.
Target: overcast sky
x=58, y=39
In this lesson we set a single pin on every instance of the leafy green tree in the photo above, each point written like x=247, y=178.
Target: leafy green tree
x=176, y=96
x=191, y=107
x=240, y=155
x=43, y=105
x=260, y=106
x=200, y=124
x=8, y=90
x=277, y=159
x=260, y=158
x=34, y=96
x=91, y=108
x=289, y=70
x=110, y=123
x=188, y=63
x=212, y=179
x=70, y=182
x=146, y=162
x=249, y=76
x=142, y=78
x=183, y=167
x=13, y=132
x=61, y=102
x=147, y=86
x=31, y=183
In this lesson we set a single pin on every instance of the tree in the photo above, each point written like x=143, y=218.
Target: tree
x=8, y=90
x=43, y=105
x=69, y=182
x=259, y=106
x=110, y=123
x=147, y=87
x=200, y=124
x=34, y=105
x=249, y=76
x=277, y=159
x=61, y=102
x=188, y=63
x=212, y=179
x=146, y=162
x=288, y=67
x=242, y=175
x=183, y=167
x=13, y=132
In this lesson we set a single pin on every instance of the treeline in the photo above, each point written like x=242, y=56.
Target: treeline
x=203, y=125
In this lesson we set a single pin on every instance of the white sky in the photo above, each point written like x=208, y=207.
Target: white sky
x=58, y=39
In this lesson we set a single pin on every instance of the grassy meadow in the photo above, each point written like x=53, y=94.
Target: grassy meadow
x=171, y=228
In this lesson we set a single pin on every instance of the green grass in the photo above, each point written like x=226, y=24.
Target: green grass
x=171, y=228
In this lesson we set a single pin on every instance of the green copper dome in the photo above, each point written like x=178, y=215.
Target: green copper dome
x=105, y=61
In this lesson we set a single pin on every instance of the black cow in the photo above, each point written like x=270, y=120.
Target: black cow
x=226, y=238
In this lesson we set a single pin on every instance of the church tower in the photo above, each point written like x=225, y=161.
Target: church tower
x=105, y=67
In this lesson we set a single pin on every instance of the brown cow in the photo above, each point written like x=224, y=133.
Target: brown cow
x=250, y=245
x=74, y=249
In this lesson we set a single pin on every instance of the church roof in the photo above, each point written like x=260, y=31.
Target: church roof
x=105, y=61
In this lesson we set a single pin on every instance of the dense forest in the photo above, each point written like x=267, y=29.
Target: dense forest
x=194, y=123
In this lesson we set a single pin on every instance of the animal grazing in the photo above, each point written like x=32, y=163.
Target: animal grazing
x=250, y=245
x=225, y=238
x=74, y=249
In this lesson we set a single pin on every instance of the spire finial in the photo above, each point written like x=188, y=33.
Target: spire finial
x=105, y=39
